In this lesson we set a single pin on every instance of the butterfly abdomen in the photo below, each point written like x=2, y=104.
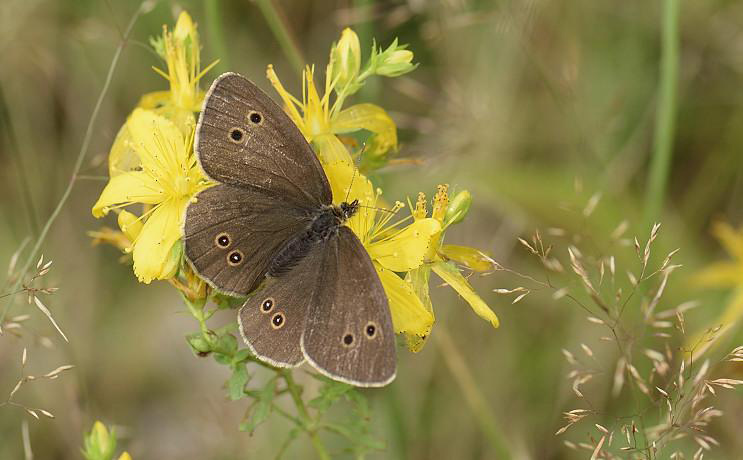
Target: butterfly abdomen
x=324, y=225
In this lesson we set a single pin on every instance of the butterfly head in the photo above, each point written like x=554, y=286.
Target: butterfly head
x=347, y=210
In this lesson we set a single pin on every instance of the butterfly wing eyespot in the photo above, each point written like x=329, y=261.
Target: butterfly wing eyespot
x=237, y=135
x=255, y=118
x=223, y=240
x=267, y=305
x=235, y=258
x=278, y=320
x=371, y=330
x=348, y=340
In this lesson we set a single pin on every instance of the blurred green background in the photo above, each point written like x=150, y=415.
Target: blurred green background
x=533, y=106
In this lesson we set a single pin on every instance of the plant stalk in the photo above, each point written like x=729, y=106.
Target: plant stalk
x=665, y=118
x=278, y=26
x=304, y=415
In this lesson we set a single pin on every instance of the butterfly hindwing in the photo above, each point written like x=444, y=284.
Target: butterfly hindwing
x=244, y=138
x=231, y=233
x=348, y=334
x=272, y=321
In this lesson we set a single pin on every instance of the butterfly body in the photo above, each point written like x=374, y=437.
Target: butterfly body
x=324, y=225
x=270, y=227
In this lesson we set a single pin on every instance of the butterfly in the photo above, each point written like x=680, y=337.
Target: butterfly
x=270, y=224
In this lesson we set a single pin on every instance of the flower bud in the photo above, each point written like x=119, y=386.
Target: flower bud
x=458, y=208
x=184, y=27
x=396, y=63
x=199, y=344
x=99, y=443
x=345, y=59
x=130, y=224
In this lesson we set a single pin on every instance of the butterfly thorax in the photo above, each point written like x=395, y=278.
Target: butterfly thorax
x=323, y=225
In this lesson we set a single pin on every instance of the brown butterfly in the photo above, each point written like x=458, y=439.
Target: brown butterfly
x=270, y=224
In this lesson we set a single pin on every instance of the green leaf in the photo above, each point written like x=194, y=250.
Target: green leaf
x=259, y=412
x=329, y=394
x=199, y=345
x=237, y=381
x=242, y=355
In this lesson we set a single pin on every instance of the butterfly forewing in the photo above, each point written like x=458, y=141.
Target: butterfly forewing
x=231, y=233
x=246, y=139
x=272, y=321
x=349, y=335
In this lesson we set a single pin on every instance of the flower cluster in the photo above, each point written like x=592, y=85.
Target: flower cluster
x=152, y=165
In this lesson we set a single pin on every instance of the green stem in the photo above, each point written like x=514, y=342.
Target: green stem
x=216, y=33
x=307, y=423
x=278, y=26
x=78, y=162
x=472, y=394
x=666, y=113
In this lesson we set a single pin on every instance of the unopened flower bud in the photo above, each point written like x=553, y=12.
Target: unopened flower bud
x=458, y=207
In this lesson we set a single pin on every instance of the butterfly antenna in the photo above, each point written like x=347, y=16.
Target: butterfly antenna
x=356, y=166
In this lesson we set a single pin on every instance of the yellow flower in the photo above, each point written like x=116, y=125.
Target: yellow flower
x=392, y=247
x=169, y=177
x=440, y=258
x=181, y=51
x=321, y=121
x=727, y=274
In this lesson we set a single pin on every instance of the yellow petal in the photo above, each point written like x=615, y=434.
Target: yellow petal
x=731, y=239
x=289, y=101
x=136, y=186
x=419, y=281
x=406, y=250
x=330, y=150
x=472, y=258
x=371, y=118
x=157, y=141
x=152, y=248
x=720, y=274
x=130, y=224
x=125, y=456
x=122, y=157
x=348, y=185
x=408, y=313
x=366, y=116
x=450, y=274
x=160, y=102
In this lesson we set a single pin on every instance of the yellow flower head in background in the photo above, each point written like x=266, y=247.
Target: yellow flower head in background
x=180, y=49
x=723, y=274
x=168, y=178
